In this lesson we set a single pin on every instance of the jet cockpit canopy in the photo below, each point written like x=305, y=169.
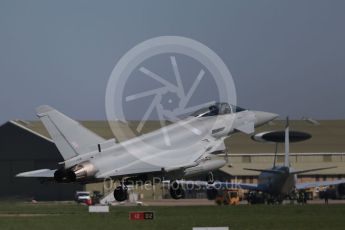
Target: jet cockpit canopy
x=217, y=109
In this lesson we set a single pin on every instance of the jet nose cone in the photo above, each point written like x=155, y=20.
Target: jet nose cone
x=264, y=117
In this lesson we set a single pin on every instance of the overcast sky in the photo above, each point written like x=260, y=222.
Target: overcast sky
x=286, y=57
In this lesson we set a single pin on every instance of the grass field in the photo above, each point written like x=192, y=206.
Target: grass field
x=71, y=216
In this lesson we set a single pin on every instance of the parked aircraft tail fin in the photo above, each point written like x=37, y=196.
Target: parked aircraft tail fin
x=287, y=144
x=70, y=137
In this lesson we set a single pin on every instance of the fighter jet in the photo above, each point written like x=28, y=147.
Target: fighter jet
x=277, y=182
x=176, y=151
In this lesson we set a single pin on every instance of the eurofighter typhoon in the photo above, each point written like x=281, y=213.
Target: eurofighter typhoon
x=184, y=148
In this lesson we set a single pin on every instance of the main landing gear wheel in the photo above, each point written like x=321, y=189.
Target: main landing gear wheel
x=176, y=190
x=121, y=193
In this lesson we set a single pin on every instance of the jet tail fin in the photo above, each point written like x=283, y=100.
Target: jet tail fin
x=70, y=137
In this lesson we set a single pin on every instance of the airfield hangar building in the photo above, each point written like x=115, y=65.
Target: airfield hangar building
x=27, y=146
